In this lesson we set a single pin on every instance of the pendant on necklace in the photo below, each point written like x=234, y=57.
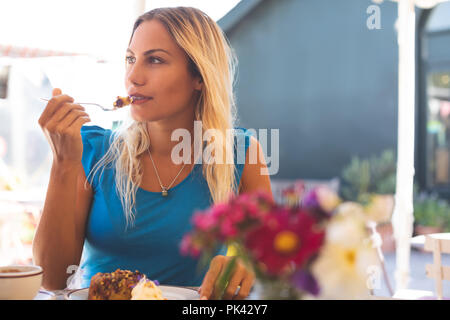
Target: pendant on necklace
x=164, y=192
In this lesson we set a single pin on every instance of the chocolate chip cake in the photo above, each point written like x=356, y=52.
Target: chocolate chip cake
x=122, y=102
x=116, y=285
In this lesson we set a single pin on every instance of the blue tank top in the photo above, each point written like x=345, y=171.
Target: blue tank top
x=152, y=244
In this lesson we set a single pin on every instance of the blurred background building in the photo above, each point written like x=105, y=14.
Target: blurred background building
x=314, y=70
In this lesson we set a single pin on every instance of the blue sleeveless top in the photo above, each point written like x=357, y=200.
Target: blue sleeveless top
x=152, y=244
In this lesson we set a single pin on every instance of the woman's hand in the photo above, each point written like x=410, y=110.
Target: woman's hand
x=61, y=122
x=241, y=276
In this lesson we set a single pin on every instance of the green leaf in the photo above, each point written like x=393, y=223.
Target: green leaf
x=376, y=174
x=430, y=210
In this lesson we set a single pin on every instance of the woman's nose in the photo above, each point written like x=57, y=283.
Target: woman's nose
x=135, y=76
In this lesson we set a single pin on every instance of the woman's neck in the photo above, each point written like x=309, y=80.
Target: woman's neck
x=160, y=133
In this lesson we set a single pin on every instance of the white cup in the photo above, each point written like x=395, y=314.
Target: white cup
x=18, y=282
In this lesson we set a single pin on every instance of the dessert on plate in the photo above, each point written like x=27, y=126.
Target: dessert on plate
x=147, y=290
x=123, y=285
x=116, y=285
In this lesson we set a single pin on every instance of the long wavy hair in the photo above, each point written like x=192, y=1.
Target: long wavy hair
x=210, y=56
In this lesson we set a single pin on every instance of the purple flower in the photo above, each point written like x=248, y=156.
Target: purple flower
x=305, y=281
x=321, y=201
x=312, y=204
x=311, y=200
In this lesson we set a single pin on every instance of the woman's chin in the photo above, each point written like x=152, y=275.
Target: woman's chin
x=140, y=116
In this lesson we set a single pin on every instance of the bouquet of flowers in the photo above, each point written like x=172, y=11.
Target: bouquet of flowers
x=312, y=246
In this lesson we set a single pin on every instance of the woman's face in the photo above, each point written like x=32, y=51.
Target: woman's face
x=157, y=75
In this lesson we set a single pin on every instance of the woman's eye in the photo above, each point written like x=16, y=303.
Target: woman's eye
x=130, y=59
x=151, y=60
x=154, y=60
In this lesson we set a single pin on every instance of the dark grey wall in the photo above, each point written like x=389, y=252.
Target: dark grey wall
x=437, y=50
x=312, y=69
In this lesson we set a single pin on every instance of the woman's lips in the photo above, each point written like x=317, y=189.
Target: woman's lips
x=139, y=99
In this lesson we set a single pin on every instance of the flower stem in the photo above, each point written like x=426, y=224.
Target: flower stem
x=224, y=278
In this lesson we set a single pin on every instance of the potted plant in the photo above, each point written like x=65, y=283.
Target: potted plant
x=365, y=177
x=431, y=214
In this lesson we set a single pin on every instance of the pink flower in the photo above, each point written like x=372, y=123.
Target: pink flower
x=219, y=210
x=203, y=221
x=243, y=199
x=226, y=221
x=188, y=247
x=236, y=214
x=253, y=210
x=227, y=229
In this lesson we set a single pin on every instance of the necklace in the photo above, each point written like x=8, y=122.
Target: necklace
x=164, y=190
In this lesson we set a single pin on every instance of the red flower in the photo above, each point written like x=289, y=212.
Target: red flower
x=285, y=239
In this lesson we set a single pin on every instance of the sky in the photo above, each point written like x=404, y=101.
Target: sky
x=98, y=27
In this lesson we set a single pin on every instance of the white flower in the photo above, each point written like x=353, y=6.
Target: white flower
x=327, y=198
x=380, y=208
x=347, y=227
x=343, y=264
x=343, y=272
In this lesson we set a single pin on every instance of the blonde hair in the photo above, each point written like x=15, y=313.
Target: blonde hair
x=211, y=57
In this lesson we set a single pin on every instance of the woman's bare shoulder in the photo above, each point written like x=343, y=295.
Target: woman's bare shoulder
x=255, y=173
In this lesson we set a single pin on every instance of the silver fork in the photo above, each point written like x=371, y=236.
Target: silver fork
x=91, y=104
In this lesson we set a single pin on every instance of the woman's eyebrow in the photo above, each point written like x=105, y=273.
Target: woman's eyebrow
x=148, y=52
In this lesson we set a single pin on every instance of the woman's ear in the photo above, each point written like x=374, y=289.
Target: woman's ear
x=199, y=84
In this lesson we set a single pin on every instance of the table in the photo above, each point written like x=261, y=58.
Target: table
x=418, y=242
x=59, y=294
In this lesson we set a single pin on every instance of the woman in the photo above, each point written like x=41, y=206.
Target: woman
x=118, y=197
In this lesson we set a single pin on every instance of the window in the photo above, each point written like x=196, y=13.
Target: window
x=435, y=101
x=438, y=128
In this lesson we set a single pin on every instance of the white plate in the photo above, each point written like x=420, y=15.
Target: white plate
x=45, y=295
x=169, y=292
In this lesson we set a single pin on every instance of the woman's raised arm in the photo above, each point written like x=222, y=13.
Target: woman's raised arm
x=59, y=238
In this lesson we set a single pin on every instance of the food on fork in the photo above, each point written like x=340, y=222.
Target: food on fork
x=146, y=290
x=116, y=285
x=122, y=101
